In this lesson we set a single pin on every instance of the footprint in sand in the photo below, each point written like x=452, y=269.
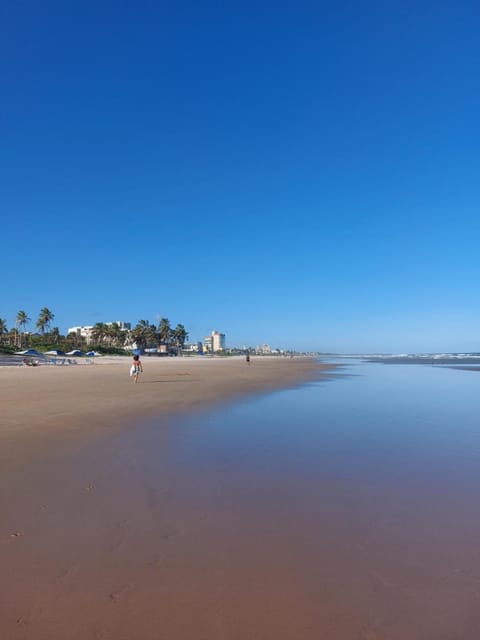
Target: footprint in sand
x=120, y=593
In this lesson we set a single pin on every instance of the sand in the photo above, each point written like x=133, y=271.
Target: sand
x=65, y=395
x=50, y=406
x=90, y=546
x=123, y=520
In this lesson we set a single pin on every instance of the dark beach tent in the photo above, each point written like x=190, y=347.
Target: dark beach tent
x=55, y=352
x=93, y=354
x=76, y=353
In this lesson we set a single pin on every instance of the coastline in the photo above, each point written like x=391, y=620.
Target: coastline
x=91, y=544
x=48, y=406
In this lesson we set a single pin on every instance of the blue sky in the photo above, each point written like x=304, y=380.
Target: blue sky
x=304, y=174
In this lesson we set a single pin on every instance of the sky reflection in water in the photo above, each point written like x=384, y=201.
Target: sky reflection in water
x=389, y=421
x=366, y=485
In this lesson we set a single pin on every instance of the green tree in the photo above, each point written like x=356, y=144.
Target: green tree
x=3, y=327
x=115, y=335
x=55, y=335
x=151, y=336
x=71, y=340
x=99, y=332
x=44, y=319
x=6, y=337
x=164, y=330
x=21, y=322
x=140, y=333
x=180, y=336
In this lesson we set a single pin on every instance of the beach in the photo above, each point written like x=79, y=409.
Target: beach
x=50, y=406
x=280, y=501
x=74, y=516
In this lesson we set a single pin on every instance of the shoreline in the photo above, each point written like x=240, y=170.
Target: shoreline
x=48, y=407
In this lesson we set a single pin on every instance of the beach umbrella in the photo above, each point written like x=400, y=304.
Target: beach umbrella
x=55, y=352
x=76, y=353
x=29, y=352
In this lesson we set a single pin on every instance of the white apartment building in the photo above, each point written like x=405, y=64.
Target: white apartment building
x=86, y=331
x=218, y=341
x=124, y=326
x=194, y=347
x=214, y=342
x=82, y=332
x=264, y=348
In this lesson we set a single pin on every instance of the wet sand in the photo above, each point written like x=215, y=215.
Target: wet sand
x=89, y=547
x=48, y=407
x=335, y=510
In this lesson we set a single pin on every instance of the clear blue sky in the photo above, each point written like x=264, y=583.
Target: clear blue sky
x=299, y=173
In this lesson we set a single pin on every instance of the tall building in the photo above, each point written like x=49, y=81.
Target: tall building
x=218, y=341
x=214, y=342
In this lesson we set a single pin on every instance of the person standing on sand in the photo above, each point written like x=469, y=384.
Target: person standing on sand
x=136, y=368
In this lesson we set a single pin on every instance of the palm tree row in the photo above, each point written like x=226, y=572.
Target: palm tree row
x=143, y=335
x=45, y=317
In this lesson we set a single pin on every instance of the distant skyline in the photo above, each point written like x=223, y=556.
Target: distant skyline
x=298, y=174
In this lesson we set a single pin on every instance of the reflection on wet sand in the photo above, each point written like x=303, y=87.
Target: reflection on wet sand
x=337, y=510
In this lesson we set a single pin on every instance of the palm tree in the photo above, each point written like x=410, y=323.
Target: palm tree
x=4, y=333
x=44, y=319
x=164, y=330
x=144, y=324
x=152, y=336
x=55, y=335
x=22, y=319
x=140, y=333
x=180, y=335
x=72, y=340
x=21, y=322
x=114, y=334
x=99, y=333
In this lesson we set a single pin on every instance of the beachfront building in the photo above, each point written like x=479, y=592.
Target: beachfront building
x=214, y=342
x=218, y=341
x=123, y=326
x=86, y=332
x=264, y=349
x=192, y=347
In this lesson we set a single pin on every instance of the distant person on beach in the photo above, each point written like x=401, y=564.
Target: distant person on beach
x=248, y=358
x=136, y=368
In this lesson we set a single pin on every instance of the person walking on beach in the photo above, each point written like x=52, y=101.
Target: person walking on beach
x=136, y=368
